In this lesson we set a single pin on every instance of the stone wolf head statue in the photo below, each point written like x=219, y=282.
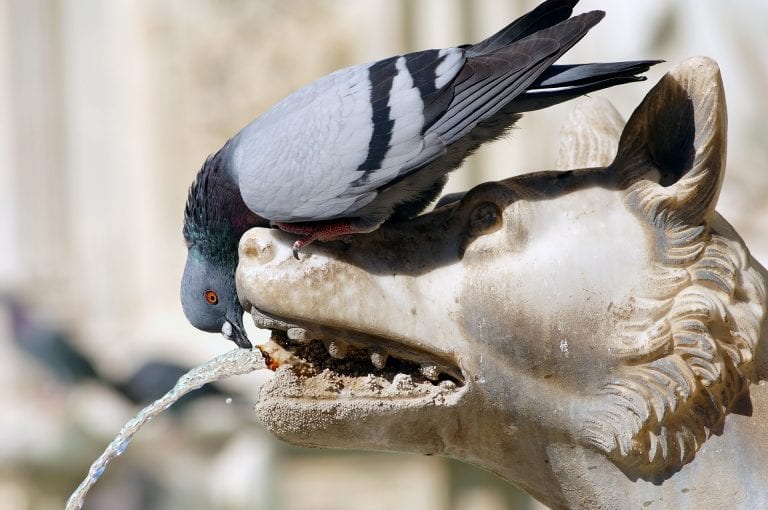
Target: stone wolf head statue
x=593, y=335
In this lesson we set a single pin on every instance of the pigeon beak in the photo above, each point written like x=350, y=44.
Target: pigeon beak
x=233, y=331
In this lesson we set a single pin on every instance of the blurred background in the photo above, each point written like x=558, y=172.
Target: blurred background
x=107, y=111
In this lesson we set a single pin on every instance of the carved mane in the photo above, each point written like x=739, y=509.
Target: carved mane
x=688, y=347
x=688, y=358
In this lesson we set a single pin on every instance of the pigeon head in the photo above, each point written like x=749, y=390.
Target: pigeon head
x=209, y=298
x=214, y=219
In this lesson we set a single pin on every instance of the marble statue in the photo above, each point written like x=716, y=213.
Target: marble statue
x=595, y=336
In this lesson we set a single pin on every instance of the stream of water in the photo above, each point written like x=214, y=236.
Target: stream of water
x=234, y=362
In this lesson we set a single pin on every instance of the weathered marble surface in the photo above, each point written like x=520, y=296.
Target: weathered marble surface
x=600, y=333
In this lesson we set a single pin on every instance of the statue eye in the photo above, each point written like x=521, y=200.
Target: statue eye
x=211, y=297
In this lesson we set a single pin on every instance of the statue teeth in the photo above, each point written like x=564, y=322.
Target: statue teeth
x=378, y=358
x=403, y=382
x=300, y=335
x=447, y=385
x=430, y=371
x=337, y=349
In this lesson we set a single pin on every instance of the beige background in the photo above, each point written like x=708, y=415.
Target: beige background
x=107, y=110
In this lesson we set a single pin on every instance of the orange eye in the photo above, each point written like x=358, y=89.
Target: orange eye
x=211, y=297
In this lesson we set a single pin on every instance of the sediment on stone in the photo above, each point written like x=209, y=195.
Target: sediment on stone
x=340, y=366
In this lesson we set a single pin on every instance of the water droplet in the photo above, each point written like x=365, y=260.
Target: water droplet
x=121, y=447
x=228, y=400
x=99, y=472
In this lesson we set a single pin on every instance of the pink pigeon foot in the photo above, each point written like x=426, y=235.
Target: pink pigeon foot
x=311, y=232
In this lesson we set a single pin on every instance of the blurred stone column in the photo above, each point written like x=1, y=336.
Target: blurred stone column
x=110, y=186
x=33, y=203
x=10, y=259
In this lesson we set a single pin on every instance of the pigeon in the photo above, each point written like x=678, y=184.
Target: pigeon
x=373, y=143
x=154, y=378
x=55, y=349
x=50, y=345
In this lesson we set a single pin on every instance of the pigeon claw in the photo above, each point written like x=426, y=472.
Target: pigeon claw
x=301, y=243
x=310, y=232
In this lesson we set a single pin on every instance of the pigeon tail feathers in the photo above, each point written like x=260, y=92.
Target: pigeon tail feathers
x=561, y=83
x=546, y=15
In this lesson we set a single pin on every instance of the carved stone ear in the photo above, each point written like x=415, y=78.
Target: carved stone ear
x=676, y=139
x=590, y=136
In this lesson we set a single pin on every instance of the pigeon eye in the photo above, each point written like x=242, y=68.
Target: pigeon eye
x=211, y=297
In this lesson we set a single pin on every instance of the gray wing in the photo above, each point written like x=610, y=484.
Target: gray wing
x=493, y=78
x=325, y=151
